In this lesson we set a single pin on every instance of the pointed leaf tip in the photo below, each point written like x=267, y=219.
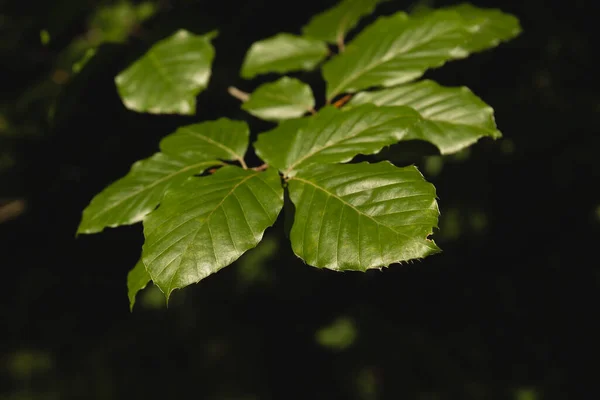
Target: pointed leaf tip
x=453, y=118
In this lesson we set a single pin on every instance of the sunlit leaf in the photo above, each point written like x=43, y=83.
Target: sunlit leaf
x=396, y=49
x=334, y=136
x=167, y=79
x=283, y=53
x=189, y=151
x=332, y=25
x=223, y=139
x=207, y=223
x=283, y=99
x=488, y=27
x=362, y=216
x=137, y=279
x=453, y=117
x=132, y=197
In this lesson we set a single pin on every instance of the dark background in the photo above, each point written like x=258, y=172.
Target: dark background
x=508, y=311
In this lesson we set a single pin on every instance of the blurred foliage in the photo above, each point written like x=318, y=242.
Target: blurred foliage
x=339, y=335
x=28, y=108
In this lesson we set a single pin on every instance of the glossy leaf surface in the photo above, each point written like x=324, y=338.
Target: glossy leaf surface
x=132, y=197
x=488, y=27
x=333, y=136
x=188, y=151
x=283, y=53
x=208, y=223
x=223, y=139
x=332, y=25
x=395, y=50
x=167, y=79
x=137, y=279
x=283, y=99
x=452, y=117
x=362, y=216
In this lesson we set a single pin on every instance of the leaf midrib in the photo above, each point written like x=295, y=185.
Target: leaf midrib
x=374, y=65
x=215, y=143
x=326, y=146
x=344, y=202
x=202, y=224
x=153, y=184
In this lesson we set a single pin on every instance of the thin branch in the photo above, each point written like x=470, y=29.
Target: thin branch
x=312, y=110
x=342, y=101
x=11, y=210
x=340, y=44
x=261, y=167
x=243, y=163
x=238, y=94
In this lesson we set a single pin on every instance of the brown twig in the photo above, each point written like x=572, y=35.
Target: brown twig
x=342, y=101
x=238, y=94
x=261, y=167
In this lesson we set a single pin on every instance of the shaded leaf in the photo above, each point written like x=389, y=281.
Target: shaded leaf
x=223, y=139
x=332, y=25
x=137, y=279
x=396, y=49
x=283, y=53
x=362, y=216
x=132, y=197
x=452, y=117
x=207, y=223
x=283, y=99
x=333, y=136
x=167, y=79
x=488, y=27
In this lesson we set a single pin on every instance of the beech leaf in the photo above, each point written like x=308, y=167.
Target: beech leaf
x=167, y=79
x=362, y=216
x=207, y=223
x=283, y=53
x=452, y=117
x=333, y=136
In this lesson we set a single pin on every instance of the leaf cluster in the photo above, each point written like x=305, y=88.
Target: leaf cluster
x=202, y=207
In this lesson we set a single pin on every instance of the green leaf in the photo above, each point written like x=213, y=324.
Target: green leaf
x=283, y=53
x=132, y=197
x=488, y=27
x=189, y=151
x=453, y=117
x=223, y=139
x=137, y=279
x=362, y=216
x=334, y=136
x=283, y=99
x=332, y=25
x=207, y=223
x=167, y=79
x=396, y=49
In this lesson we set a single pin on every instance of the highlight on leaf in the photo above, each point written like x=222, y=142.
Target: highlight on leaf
x=333, y=136
x=453, y=118
x=189, y=151
x=332, y=25
x=362, y=216
x=396, y=49
x=283, y=53
x=285, y=98
x=207, y=223
x=167, y=79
